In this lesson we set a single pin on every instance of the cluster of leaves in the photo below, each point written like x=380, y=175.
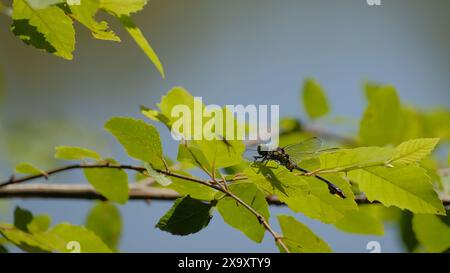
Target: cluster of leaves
x=388, y=167
x=34, y=234
x=48, y=24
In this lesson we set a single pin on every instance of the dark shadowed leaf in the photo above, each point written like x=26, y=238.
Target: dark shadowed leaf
x=186, y=216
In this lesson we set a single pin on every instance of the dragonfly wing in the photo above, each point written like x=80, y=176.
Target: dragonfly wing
x=303, y=150
x=308, y=150
x=307, y=146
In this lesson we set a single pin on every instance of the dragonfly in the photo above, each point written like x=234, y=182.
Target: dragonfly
x=290, y=157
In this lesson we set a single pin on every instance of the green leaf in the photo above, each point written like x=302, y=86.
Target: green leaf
x=155, y=115
x=194, y=190
x=415, y=150
x=299, y=238
x=56, y=239
x=176, y=96
x=404, y=186
x=192, y=155
x=431, y=166
x=52, y=22
x=39, y=223
x=290, y=125
x=26, y=168
x=413, y=124
x=314, y=99
x=120, y=7
x=111, y=183
x=30, y=35
x=370, y=89
x=63, y=233
x=307, y=195
x=140, y=140
x=159, y=177
x=431, y=232
x=142, y=42
x=220, y=153
x=85, y=12
x=436, y=123
x=186, y=216
x=22, y=218
x=24, y=240
x=362, y=221
x=104, y=220
x=355, y=158
x=382, y=120
x=75, y=153
x=239, y=217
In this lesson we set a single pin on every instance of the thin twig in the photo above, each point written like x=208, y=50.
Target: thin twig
x=15, y=180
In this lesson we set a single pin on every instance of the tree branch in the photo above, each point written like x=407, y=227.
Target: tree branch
x=91, y=194
x=137, y=192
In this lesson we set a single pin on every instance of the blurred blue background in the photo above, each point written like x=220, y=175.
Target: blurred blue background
x=229, y=52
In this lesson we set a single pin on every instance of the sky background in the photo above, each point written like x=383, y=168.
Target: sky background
x=228, y=52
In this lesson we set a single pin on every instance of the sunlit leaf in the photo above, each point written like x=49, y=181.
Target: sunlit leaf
x=84, y=13
x=414, y=150
x=362, y=221
x=382, y=120
x=314, y=99
x=140, y=140
x=111, y=183
x=404, y=186
x=305, y=194
x=355, y=158
x=370, y=89
x=39, y=223
x=26, y=168
x=75, y=153
x=30, y=35
x=237, y=216
x=120, y=7
x=299, y=238
x=63, y=233
x=141, y=41
x=431, y=232
x=104, y=220
x=52, y=22
x=437, y=123
x=24, y=240
x=192, y=155
x=194, y=190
